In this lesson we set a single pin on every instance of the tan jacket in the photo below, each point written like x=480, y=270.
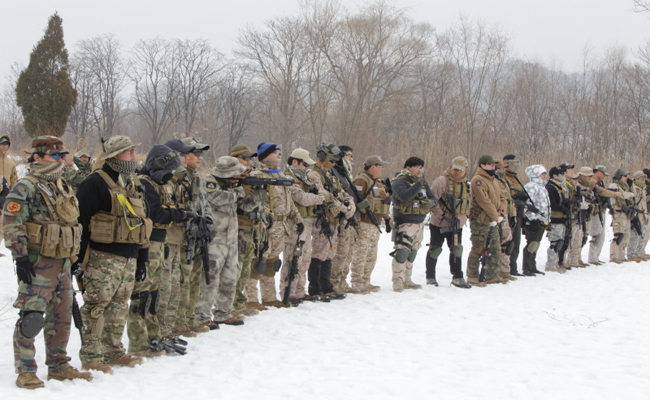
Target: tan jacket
x=8, y=169
x=487, y=198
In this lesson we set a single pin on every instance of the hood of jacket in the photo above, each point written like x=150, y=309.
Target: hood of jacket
x=161, y=163
x=534, y=171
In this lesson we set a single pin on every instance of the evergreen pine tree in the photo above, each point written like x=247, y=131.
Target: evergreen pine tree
x=44, y=91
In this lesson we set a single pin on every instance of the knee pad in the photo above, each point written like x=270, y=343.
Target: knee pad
x=144, y=303
x=412, y=255
x=401, y=255
x=557, y=245
x=30, y=323
x=277, y=265
x=618, y=237
x=155, y=302
x=434, y=252
x=533, y=247
x=259, y=266
x=457, y=251
x=166, y=252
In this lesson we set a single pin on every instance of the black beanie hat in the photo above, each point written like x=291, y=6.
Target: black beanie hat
x=509, y=157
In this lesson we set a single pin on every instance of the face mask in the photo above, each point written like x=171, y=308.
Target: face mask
x=513, y=165
x=561, y=178
x=501, y=174
x=490, y=172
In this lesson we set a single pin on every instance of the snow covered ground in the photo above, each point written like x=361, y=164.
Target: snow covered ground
x=581, y=335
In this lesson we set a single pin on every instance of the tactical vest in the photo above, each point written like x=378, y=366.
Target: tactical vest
x=419, y=205
x=562, y=191
x=60, y=236
x=376, y=196
x=331, y=184
x=166, y=193
x=619, y=202
x=460, y=191
x=305, y=211
x=127, y=221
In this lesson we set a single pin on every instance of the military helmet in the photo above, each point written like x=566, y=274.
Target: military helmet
x=328, y=150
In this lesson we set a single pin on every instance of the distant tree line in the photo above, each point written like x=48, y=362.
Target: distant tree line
x=374, y=79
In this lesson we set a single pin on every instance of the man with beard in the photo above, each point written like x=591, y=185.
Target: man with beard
x=447, y=220
x=115, y=240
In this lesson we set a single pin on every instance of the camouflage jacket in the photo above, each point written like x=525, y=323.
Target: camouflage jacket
x=75, y=176
x=189, y=195
x=223, y=200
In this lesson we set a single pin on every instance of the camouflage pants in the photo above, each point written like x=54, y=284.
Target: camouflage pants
x=620, y=225
x=343, y=258
x=478, y=236
x=108, y=280
x=220, y=293
x=191, y=276
x=49, y=293
x=597, y=233
x=644, y=242
x=275, y=237
x=300, y=280
x=506, y=236
x=635, y=247
x=170, y=287
x=323, y=249
x=555, y=236
x=142, y=329
x=364, y=255
x=412, y=235
x=573, y=256
x=245, y=258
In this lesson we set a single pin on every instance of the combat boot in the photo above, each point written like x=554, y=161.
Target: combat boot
x=558, y=270
x=97, y=366
x=184, y=330
x=507, y=276
x=274, y=303
x=496, y=279
x=371, y=288
x=432, y=281
x=460, y=283
x=29, y=380
x=475, y=282
x=125, y=360
x=198, y=328
x=212, y=325
x=255, y=305
x=67, y=372
x=149, y=353
x=230, y=321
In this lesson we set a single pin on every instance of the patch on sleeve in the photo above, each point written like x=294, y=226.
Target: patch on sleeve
x=478, y=183
x=13, y=206
x=210, y=185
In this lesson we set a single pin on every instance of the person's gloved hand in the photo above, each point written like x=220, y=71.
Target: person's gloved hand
x=493, y=223
x=389, y=227
x=141, y=271
x=300, y=228
x=500, y=219
x=190, y=215
x=25, y=270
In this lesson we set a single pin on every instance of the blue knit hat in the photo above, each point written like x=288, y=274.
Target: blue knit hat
x=265, y=149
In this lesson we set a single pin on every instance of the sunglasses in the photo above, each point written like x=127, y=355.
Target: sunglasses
x=57, y=156
x=246, y=158
x=198, y=153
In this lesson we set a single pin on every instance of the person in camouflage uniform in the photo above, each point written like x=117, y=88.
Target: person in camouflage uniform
x=505, y=232
x=558, y=194
x=191, y=197
x=375, y=200
x=621, y=217
x=306, y=197
x=537, y=217
x=635, y=249
x=143, y=326
x=80, y=167
x=114, y=244
x=519, y=197
x=42, y=232
x=597, y=225
x=223, y=194
x=583, y=208
x=454, y=198
x=170, y=277
x=485, y=214
x=278, y=200
x=412, y=201
x=646, y=235
x=324, y=237
x=347, y=235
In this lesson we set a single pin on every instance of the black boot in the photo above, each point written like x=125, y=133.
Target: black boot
x=313, y=274
x=529, y=263
x=326, y=281
x=431, y=270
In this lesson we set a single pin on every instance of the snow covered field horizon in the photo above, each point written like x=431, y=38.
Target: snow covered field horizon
x=580, y=335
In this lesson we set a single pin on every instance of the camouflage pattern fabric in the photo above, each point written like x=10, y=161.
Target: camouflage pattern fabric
x=245, y=256
x=597, y=233
x=75, y=176
x=402, y=272
x=170, y=287
x=636, y=247
x=109, y=281
x=51, y=293
x=620, y=224
x=341, y=262
x=364, y=256
x=573, y=254
x=276, y=236
x=478, y=237
x=142, y=330
x=299, y=283
x=504, y=259
x=556, y=232
x=191, y=276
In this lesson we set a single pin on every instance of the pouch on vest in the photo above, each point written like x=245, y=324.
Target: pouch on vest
x=102, y=228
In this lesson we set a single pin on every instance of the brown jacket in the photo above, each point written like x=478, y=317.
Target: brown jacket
x=487, y=198
x=439, y=188
x=8, y=169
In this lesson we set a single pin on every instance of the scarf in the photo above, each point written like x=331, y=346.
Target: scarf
x=47, y=171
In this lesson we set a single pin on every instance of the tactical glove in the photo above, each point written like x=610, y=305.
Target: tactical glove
x=75, y=268
x=25, y=270
x=300, y=228
x=141, y=271
x=190, y=215
x=512, y=221
x=493, y=224
x=389, y=227
x=500, y=219
x=313, y=189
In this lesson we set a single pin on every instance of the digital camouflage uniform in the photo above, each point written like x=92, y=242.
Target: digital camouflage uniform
x=636, y=249
x=364, y=255
x=558, y=193
x=596, y=228
x=75, y=176
x=535, y=222
x=41, y=228
x=216, y=299
x=487, y=200
x=347, y=235
x=621, y=225
x=306, y=203
x=278, y=200
x=582, y=210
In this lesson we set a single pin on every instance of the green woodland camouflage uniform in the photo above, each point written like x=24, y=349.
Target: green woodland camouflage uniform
x=41, y=229
x=75, y=176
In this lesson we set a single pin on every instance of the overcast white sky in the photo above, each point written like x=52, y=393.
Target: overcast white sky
x=543, y=30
